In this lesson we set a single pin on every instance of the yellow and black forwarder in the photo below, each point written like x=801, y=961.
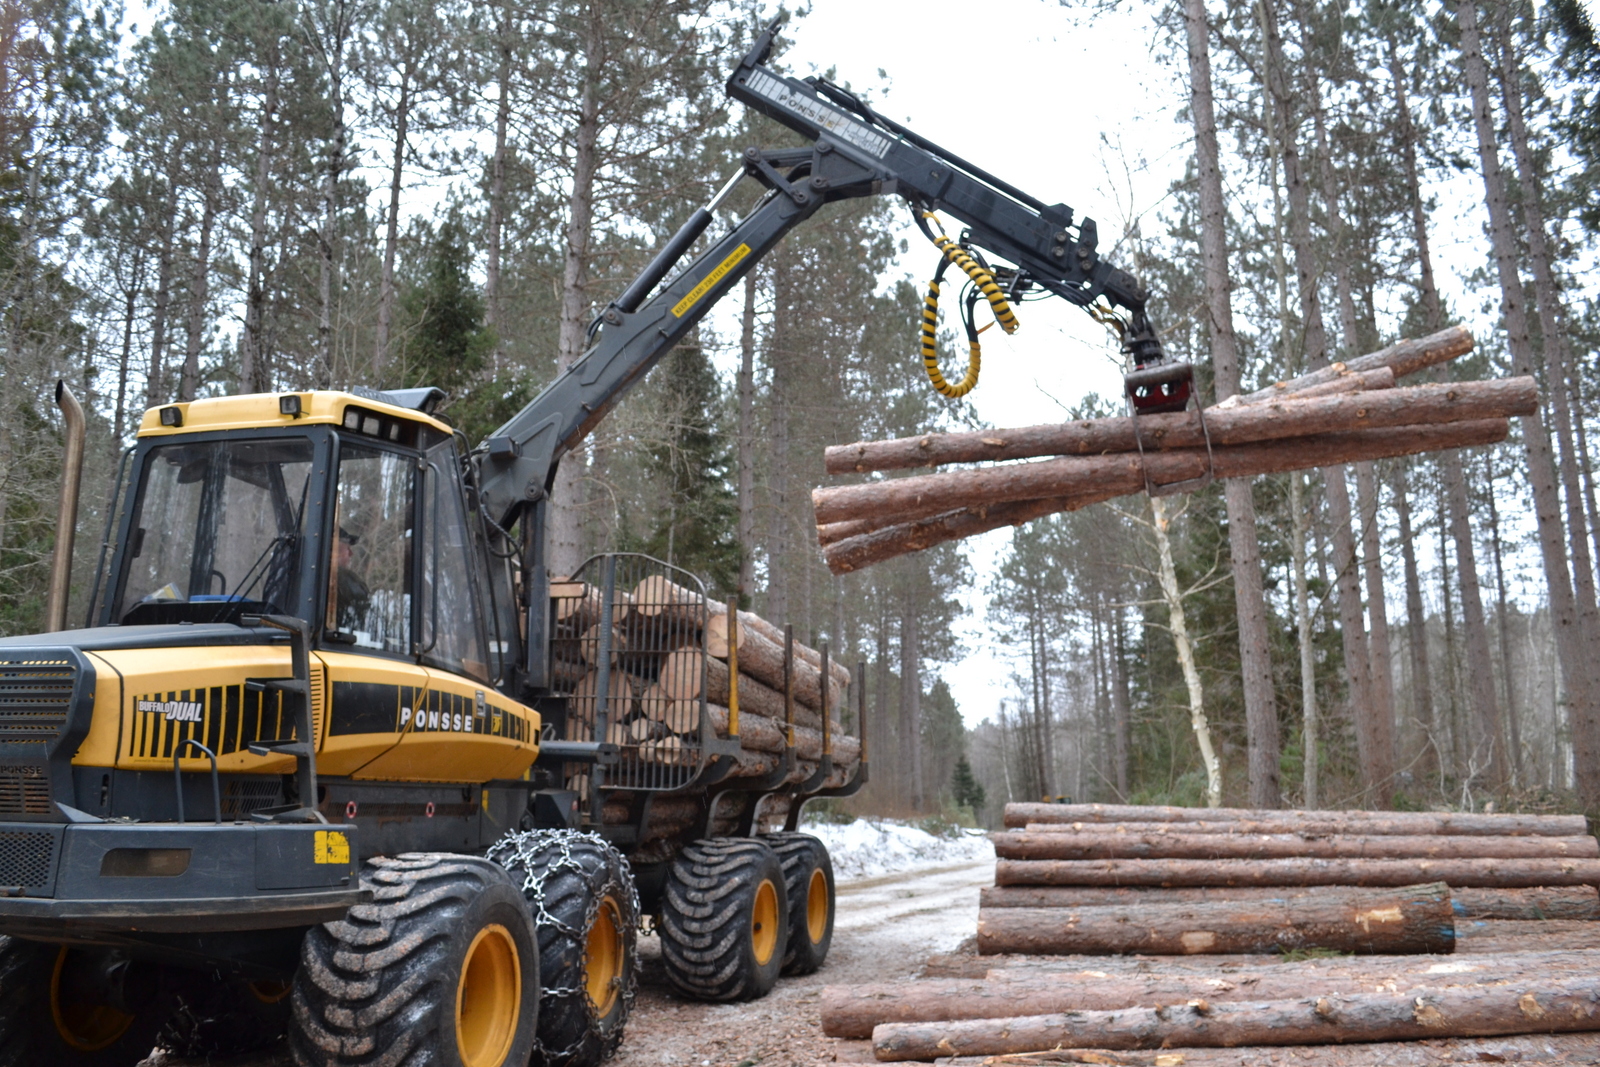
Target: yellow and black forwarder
x=318, y=764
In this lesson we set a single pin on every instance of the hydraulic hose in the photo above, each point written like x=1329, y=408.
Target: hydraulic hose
x=930, y=343
x=984, y=283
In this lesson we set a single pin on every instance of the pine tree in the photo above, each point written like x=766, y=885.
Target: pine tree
x=964, y=787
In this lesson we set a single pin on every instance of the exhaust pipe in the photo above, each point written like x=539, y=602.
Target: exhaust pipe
x=73, y=427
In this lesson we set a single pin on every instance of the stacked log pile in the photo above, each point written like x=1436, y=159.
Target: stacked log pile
x=669, y=654
x=1115, y=928
x=1340, y=414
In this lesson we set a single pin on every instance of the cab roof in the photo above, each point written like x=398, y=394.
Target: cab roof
x=260, y=410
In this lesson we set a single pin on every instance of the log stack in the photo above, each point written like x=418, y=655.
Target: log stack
x=1107, y=924
x=668, y=653
x=1341, y=414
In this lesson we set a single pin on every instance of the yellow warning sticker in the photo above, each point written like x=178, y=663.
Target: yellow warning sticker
x=330, y=846
x=710, y=280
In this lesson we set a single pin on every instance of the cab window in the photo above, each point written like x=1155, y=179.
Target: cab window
x=452, y=624
x=370, y=572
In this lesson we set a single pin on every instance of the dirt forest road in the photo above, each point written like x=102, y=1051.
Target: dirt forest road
x=886, y=929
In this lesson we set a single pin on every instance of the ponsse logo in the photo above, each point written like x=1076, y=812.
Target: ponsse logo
x=439, y=720
x=172, y=710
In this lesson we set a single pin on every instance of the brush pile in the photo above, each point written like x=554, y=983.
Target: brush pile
x=1344, y=413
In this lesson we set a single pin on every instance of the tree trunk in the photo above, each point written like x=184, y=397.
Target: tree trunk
x=1578, y=902
x=497, y=180
x=1563, y=1004
x=1180, y=638
x=1103, y=844
x=747, y=438
x=1300, y=872
x=391, y=229
x=1514, y=727
x=1121, y=704
x=155, y=392
x=1252, y=821
x=1416, y=631
x=1310, y=730
x=254, y=374
x=565, y=519
x=911, y=701
x=1574, y=638
x=200, y=280
x=1480, y=665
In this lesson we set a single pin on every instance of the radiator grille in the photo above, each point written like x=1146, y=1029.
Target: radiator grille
x=35, y=697
x=24, y=790
x=240, y=797
x=26, y=858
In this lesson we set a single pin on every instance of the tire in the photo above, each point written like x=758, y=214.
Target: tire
x=219, y=1015
x=586, y=915
x=43, y=1022
x=441, y=969
x=808, y=876
x=724, y=919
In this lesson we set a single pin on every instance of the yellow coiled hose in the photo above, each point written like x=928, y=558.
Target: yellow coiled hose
x=985, y=284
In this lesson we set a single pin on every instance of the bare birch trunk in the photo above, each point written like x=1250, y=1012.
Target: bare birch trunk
x=1309, y=727
x=1180, y=637
x=497, y=180
x=1573, y=641
x=1261, y=716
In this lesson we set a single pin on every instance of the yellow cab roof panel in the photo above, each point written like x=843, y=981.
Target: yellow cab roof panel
x=260, y=410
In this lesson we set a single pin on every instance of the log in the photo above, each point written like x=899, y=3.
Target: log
x=1418, y=405
x=1579, y=902
x=761, y=734
x=1434, y=1052
x=1097, y=844
x=576, y=606
x=1092, y=480
x=851, y=1011
x=750, y=619
x=1565, y=1004
x=589, y=645
x=620, y=697
x=925, y=495
x=1522, y=935
x=1273, y=821
x=680, y=679
x=1297, y=872
x=1348, y=381
x=1415, y=920
x=838, y=673
x=762, y=658
x=1403, y=357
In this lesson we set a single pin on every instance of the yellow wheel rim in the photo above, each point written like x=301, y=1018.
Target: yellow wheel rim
x=269, y=991
x=764, y=923
x=85, y=1027
x=817, y=906
x=603, y=958
x=488, y=998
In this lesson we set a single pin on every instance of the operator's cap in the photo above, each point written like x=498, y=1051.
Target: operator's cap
x=347, y=537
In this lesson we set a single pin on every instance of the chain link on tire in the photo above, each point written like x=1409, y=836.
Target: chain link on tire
x=221, y=1015
x=573, y=881
x=808, y=876
x=386, y=985
x=716, y=919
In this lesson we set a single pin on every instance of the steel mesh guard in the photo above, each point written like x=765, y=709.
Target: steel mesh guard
x=629, y=651
x=26, y=858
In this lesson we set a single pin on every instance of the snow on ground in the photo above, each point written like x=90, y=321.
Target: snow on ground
x=871, y=848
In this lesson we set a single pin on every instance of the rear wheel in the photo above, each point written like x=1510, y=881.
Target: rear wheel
x=76, y=1007
x=218, y=1015
x=440, y=969
x=586, y=914
x=808, y=877
x=724, y=919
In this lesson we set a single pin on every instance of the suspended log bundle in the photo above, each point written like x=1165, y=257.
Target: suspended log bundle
x=1342, y=414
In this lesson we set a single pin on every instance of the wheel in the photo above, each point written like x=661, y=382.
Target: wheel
x=440, y=969
x=586, y=915
x=808, y=875
x=76, y=1007
x=724, y=917
x=219, y=1015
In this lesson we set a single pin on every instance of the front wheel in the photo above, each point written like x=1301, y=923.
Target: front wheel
x=441, y=968
x=586, y=911
x=724, y=919
x=76, y=1007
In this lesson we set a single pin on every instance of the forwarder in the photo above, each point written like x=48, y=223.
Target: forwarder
x=316, y=764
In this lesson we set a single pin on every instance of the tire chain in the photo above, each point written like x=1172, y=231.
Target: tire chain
x=529, y=852
x=360, y=945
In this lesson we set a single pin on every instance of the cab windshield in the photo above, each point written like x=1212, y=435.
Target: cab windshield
x=218, y=532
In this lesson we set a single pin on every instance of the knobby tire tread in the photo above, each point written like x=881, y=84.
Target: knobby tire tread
x=705, y=919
